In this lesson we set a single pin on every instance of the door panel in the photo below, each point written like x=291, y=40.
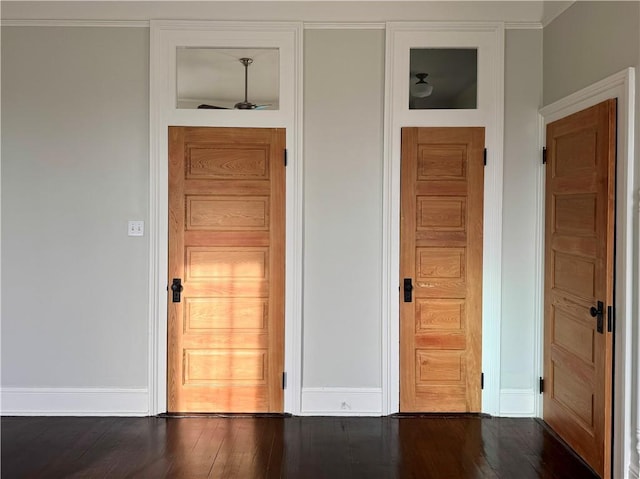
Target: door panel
x=226, y=244
x=580, y=191
x=441, y=254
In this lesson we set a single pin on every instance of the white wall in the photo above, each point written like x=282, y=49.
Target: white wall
x=588, y=42
x=523, y=98
x=74, y=170
x=344, y=73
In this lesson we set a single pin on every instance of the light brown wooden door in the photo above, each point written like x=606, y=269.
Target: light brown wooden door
x=580, y=192
x=442, y=183
x=226, y=245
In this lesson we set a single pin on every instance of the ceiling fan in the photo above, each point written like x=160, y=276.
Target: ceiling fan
x=242, y=105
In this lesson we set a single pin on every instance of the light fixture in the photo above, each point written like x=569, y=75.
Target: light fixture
x=421, y=88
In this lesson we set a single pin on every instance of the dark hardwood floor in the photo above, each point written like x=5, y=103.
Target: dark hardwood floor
x=289, y=447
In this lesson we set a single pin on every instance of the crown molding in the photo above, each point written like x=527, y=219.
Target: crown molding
x=307, y=25
x=76, y=23
x=344, y=26
x=523, y=26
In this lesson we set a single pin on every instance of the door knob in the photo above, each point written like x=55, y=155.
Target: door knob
x=176, y=288
x=598, y=313
x=408, y=288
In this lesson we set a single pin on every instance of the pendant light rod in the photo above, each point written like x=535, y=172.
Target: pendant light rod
x=246, y=62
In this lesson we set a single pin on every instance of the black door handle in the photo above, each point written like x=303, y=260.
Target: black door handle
x=408, y=288
x=599, y=314
x=176, y=288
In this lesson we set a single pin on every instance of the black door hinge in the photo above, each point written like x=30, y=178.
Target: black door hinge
x=610, y=318
x=286, y=160
x=544, y=155
x=485, y=157
x=541, y=385
x=481, y=380
x=284, y=380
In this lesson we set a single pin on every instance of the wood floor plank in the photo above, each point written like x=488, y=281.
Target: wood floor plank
x=460, y=447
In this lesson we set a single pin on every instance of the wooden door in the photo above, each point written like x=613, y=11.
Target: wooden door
x=580, y=192
x=442, y=183
x=226, y=246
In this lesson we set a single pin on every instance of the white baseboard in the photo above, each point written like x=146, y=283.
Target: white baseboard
x=368, y=402
x=74, y=402
x=134, y=402
x=341, y=402
x=517, y=403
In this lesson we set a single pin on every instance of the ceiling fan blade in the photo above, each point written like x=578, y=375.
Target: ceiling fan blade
x=211, y=107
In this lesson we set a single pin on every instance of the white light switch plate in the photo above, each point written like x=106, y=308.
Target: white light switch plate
x=136, y=228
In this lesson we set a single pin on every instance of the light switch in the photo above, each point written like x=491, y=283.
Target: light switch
x=136, y=228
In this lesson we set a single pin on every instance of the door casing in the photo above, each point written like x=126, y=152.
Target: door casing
x=166, y=36
x=488, y=37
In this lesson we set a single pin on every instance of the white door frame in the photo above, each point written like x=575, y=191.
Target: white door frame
x=622, y=87
x=166, y=36
x=489, y=39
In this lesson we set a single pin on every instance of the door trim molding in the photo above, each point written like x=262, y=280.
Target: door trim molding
x=165, y=36
x=621, y=86
x=489, y=38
